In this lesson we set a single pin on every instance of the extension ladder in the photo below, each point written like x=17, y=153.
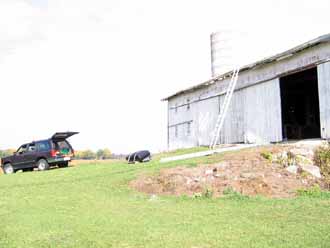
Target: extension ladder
x=224, y=108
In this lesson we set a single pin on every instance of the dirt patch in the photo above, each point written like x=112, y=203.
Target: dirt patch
x=245, y=171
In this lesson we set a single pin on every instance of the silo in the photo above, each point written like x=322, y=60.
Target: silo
x=226, y=51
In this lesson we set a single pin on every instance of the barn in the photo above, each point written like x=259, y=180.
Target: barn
x=283, y=97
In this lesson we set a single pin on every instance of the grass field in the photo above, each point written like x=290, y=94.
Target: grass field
x=92, y=206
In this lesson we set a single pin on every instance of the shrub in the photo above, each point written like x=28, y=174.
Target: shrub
x=232, y=193
x=197, y=195
x=291, y=158
x=322, y=160
x=314, y=191
x=229, y=191
x=208, y=193
x=286, y=159
x=267, y=155
x=5, y=153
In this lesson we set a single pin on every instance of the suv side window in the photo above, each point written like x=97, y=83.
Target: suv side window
x=22, y=149
x=43, y=146
x=31, y=148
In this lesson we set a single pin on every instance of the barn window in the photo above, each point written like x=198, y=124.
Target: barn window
x=188, y=129
x=188, y=104
x=176, y=131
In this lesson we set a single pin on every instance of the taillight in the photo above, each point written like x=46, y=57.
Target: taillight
x=53, y=153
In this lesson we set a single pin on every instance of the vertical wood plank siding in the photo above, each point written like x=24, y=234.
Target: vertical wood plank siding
x=323, y=72
x=233, y=128
x=263, y=118
x=254, y=115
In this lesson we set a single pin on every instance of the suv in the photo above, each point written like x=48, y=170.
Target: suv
x=40, y=154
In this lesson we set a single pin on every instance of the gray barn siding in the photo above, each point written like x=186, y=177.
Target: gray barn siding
x=254, y=115
x=206, y=115
x=323, y=72
x=182, y=140
x=263, y=118
x=233, y=128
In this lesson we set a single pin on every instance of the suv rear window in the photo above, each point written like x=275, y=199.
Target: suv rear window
x=62, y=146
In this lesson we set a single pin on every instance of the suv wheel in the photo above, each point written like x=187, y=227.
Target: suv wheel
x=8, y=169
x=42, y=164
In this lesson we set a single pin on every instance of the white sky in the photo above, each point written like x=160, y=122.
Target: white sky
x=101, y=67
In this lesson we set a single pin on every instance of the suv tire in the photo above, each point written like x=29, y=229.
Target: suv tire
x=8, y=169
x=42, y=165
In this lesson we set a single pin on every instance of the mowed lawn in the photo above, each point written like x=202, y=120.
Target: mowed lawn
x=92, y=206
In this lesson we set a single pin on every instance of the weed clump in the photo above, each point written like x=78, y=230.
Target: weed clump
x=322, y=160
x=314, y=191
x=267, y=155
x=207, y=193
x=232, y=193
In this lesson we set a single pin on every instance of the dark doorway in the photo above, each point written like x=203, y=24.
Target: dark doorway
x=300, y=105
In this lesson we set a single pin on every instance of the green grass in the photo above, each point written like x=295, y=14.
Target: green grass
x=92, y=206
x=181, y=152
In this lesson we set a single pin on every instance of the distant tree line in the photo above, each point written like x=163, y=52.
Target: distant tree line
x=89, y=154
x=6, y=152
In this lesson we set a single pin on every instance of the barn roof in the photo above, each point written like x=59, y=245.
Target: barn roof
x=268, y=60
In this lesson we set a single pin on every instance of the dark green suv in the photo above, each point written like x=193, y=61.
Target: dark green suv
x=41, y=154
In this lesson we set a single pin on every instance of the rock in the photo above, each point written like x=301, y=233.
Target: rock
x=247, y=175
x=302, y=160
x=311, y=169
x=196, y=179
x=189, y=181
x=208, y=172
x=221, y=176
x=292, y=169
x=302, y=152
x=283, y=155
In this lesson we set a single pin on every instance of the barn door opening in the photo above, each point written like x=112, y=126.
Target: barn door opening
x=300, y=105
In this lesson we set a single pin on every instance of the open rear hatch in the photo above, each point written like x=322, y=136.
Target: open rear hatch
x=61, y=147
x=63, y=135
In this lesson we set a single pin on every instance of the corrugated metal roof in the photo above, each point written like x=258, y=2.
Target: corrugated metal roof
x=277, y=57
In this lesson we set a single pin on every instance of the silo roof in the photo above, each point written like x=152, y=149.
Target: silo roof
x=268, y=60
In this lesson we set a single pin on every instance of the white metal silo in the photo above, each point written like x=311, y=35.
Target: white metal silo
x=227, y=51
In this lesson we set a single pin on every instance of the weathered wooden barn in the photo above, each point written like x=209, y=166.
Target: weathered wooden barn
x=283, y=97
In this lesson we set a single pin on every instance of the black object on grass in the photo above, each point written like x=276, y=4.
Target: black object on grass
x=140, y=156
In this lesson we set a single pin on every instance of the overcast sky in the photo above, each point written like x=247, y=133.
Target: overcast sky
x=101, y=67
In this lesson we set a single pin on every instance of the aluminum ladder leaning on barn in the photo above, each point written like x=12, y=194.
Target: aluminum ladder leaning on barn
x=224, y=108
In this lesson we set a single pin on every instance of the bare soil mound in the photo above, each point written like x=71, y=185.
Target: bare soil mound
x=246, y=172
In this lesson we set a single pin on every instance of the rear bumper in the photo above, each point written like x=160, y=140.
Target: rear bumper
x=59, y=160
